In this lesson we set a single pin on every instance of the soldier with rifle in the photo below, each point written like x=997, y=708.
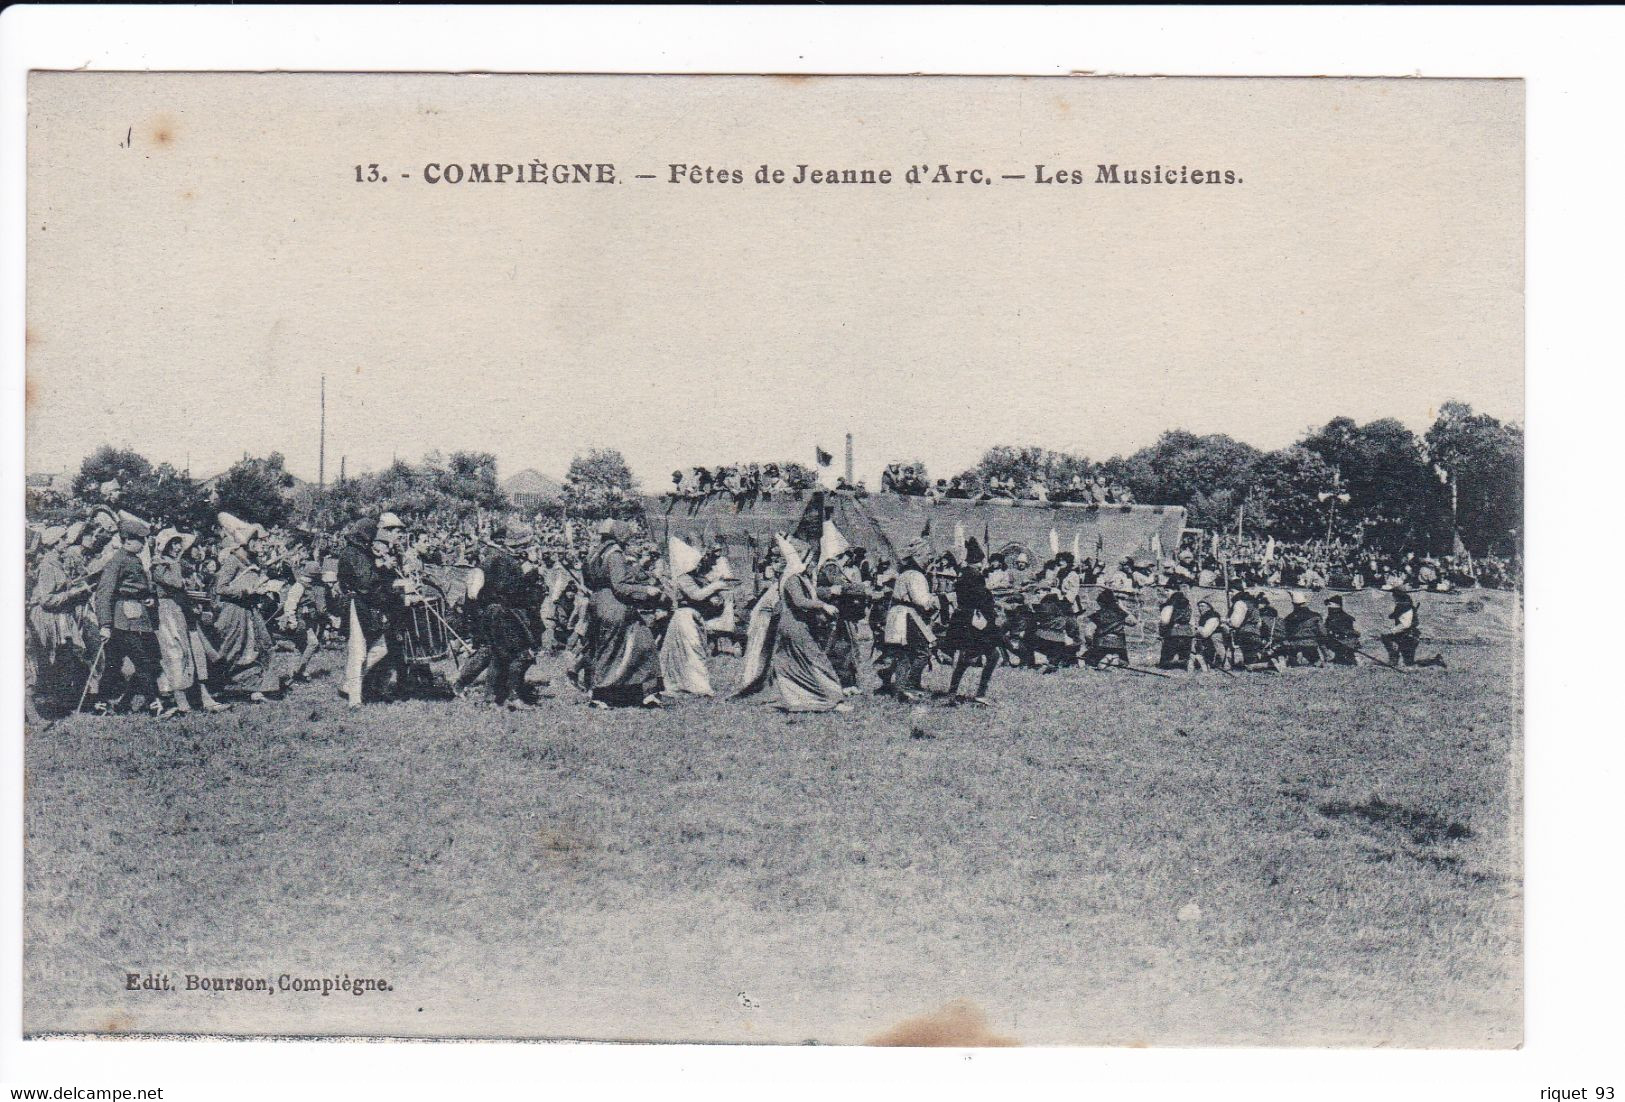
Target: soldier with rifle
x=1342, y=638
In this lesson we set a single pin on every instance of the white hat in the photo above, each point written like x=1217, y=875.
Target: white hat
x=682, y=555
x=1299, y=597
x=238, y=531
x=793, y=562
x=389, y=520
x=169, y=534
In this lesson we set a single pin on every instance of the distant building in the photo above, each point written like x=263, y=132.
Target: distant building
x=531, y=489
x=57, y=482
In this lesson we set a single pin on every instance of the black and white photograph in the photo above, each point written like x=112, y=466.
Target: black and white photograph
x=971, y=561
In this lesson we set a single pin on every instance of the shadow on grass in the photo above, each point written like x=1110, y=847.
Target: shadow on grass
x=1424, y=828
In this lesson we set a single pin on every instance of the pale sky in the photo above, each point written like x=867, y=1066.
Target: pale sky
x=200, y=255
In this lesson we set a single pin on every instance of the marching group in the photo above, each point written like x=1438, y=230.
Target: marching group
x=123, y=618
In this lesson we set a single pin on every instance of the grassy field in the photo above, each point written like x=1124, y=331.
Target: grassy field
x=1323, y=856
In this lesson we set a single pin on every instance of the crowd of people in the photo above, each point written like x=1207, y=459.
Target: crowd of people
x=740, y=481
x=1338, y=565
x=747, y=481
x=127, y=616
x=910, y=479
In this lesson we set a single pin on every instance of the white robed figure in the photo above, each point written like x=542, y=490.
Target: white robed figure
x=798, y=667
x=697, y=598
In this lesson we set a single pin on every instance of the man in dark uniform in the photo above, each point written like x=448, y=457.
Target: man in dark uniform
x=1109, y=647
x=973, y=630
x=1342, y=638
x=1246, y=628
x=374, y=601
x=1209, y=633
x=505, y=619
x=126, y=608
x=1299, y=634
x=1407, y=633
x=1053, y=626
x=1174, y=625
x=1269, y=621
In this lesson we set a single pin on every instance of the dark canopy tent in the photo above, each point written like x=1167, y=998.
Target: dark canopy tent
x=1109, y=532
x=885, y=523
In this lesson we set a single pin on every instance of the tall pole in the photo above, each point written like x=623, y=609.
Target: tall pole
x=1455, y=522
x=321, y=449
x=849, y=481
x=342, y=458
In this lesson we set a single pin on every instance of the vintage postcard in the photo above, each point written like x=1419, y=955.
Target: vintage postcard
x=836, y=560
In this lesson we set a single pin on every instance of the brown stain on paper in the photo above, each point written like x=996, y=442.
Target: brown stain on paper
x=959, y=1024
x=164, y=132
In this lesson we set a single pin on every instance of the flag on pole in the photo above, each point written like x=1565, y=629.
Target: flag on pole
x=831, y=543
x=1054, y=542
x=823, y=457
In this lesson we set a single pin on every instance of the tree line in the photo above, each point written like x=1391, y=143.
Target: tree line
x=1378, y=483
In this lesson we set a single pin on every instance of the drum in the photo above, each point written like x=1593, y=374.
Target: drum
x=425, y=638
